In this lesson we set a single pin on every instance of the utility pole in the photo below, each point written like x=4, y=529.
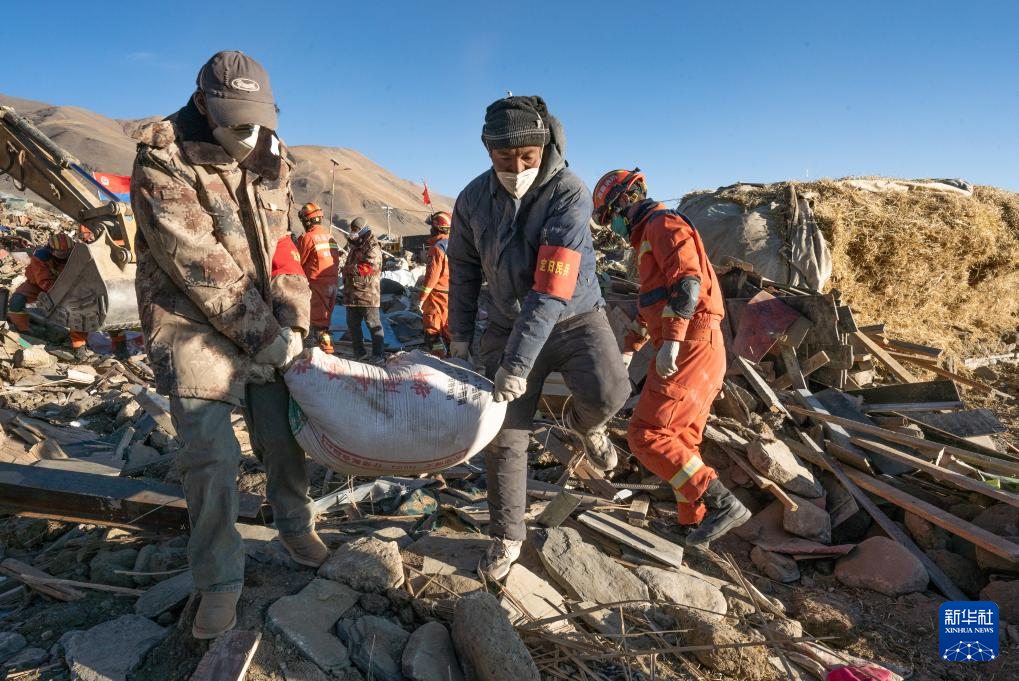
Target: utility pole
x=332, y=192
x=389, y=231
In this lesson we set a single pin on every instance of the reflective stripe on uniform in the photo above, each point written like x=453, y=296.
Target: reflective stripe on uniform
x=645, y=247
x=684, y=474
x=326, y=247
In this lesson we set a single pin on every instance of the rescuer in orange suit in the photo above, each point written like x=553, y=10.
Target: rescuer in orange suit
x=434, y=297
x=680, y=304
x=44, y=267
x=320, y=261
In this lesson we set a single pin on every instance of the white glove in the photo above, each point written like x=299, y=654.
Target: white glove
x=665, y=363
x=275, y=353
x=295, y=348
x=261, y=373
x=507, y=386
x=460, y=350
x=627, y=358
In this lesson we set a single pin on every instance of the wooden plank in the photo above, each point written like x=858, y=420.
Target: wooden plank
x=904, y=346
x=792, y=367
x=815, y=362
x=558, y=510
x=913, y=407
x=819, y=457
x=36, y=579
x=893, y=365
x=797, y=332
x=819, y=309
x=838, y=403
x=935, y=369
x=637, y=514
x=923, y=391
x=991, y=464
x=229, y=657
x=763, y=320
x=761, y=387
x=939, y=473
x=165, y=595
x=100, y=499
x=156, y=406
x=965, y=423
x=936, y=435
x=636, y=538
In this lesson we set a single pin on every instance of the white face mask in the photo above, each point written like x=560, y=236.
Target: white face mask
x=517, y=184
x=238, y=142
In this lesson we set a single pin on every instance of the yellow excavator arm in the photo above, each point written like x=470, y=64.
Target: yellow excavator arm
x=95, y=291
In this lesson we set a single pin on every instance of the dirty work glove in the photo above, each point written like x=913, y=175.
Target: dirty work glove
x=261, y=373
x=507, y=386
x=665, y=363
x=627, y=358
x=295, y=347
x=460, y=350
x=275, y=353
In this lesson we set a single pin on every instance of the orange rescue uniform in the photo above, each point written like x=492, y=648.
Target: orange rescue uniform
x=668, y=422
x=434, y=296
x=40, y=275
x=320, y=261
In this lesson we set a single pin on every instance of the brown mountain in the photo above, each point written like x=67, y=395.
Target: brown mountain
x=362, y=187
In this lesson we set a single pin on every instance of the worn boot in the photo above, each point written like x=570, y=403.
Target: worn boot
x=724, y=513
x=499, y=558
x=217, y=614
x=596, y=443
x=306, y=549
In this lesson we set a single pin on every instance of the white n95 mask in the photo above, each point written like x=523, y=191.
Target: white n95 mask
x=237, y=141
x=517, y=184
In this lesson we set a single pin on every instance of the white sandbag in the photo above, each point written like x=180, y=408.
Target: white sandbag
x=418, y=414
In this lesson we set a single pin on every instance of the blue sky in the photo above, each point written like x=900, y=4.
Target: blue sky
x=697, y=94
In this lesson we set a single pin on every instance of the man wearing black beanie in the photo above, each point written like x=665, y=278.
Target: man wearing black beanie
x=522, y=226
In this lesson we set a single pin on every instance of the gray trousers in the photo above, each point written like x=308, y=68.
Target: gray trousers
x=208, y=464
x=373, y=318
x=584, y=350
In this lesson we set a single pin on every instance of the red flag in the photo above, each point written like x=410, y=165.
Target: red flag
x=424, y=196
x=115, y=184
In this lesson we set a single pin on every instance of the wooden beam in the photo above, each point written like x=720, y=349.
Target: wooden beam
x=903, y=346
x=893, y=365
x=815, y=362
x=35, y=578
x=229, y=657
x=937, y=472
x=925, y=391
x=819, y=457
x=847, y=452
x=100, y=499
x=792, y=367
x=991, y=464
x=909, y=407
x=583, y=470
x=761, y=387
x=935, y=369
x=637, y=514
x=648, y=543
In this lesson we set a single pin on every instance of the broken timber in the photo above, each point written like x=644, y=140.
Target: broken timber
x=821, y=458
x=761, y=387
x=989, y=463
x=583, y=469
x=814, y=363
x=35, y=578
x=893, y=365
x=229, y=657
x=89, y=498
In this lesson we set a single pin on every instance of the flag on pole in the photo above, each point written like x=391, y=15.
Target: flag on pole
x=119, y=185
x=424, y=196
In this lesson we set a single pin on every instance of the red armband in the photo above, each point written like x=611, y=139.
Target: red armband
x=286, y=259
x=556, y=271
x=364, y=269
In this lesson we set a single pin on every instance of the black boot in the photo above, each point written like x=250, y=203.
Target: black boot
x=724, y=513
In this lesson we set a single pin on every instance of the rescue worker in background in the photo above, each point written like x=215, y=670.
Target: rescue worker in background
x=680, y=304
x=523, y=225
x=434, y=298
x=224, y=305
x=362, y=290
x=44, y=267
x=320, y=260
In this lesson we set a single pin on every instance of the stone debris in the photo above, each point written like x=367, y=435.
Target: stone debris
x=882, y=565
x=11, y=643
x=527, y=597
x=306, y=621
x=429, y=655
x=776, y=461
x=376, y=646
x=365, y=564
x=683, y=589
x=584, y=572
x=489, y=647
x=775, y=566
x=111, y=650
x=807, y=521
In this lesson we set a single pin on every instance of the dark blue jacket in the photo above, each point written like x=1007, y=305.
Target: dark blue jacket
x=491, y=239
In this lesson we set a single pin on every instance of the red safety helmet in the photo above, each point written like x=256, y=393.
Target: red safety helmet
x=440, y=222
x=611, y=187
x=310, y=212
x=60, y=245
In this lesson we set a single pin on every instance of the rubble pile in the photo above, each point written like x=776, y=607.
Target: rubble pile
x=876, y=489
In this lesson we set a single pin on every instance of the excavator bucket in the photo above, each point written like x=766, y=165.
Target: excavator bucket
x=93, y=293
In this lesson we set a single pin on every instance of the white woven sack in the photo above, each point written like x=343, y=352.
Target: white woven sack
x=418, y=414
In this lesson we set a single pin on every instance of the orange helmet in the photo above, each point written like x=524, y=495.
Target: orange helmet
x=440, y=222
x=310, y=212
x=60, y=244
x=611, y=187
